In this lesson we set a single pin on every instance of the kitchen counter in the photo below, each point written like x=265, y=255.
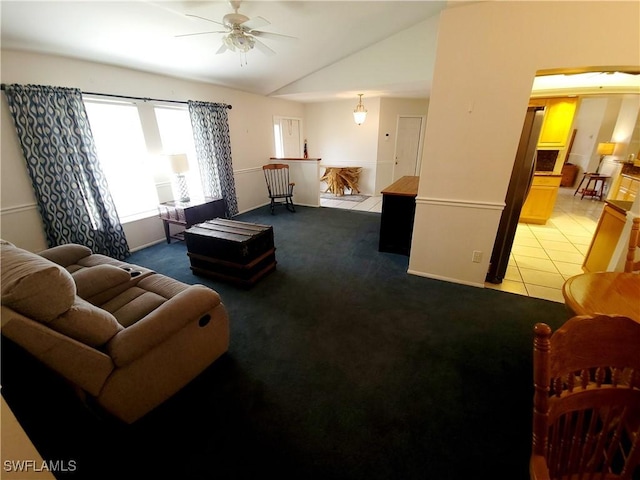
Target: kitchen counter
x=599, y=257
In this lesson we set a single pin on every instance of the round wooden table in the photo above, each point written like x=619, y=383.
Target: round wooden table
x=611, y=293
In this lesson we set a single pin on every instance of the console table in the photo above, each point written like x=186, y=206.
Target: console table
x=398, y=211
x=339, y=178
x=189, y=213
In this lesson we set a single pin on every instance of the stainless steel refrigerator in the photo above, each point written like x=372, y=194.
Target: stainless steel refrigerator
x=521, y=178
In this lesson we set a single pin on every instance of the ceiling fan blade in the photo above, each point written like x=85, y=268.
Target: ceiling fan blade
x=222, y=49
x=256, y=22
x=200, y=33
x=203, y=18
x=272, y=36
x=263, y=48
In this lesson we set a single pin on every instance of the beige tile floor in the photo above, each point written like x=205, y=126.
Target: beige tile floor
x=543, y=256
x=371, y=204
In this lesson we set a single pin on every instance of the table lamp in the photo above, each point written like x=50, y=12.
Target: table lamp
x=604, y=149
x=179, y=166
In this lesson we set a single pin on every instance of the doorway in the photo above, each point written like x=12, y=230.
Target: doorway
x=408, y=151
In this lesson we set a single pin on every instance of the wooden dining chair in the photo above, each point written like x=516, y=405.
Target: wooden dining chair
x=632, y=263
x=586, y=404
x=278, y=185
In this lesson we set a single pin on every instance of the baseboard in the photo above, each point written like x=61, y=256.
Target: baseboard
x=445, y=279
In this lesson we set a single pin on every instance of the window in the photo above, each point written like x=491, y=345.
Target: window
x=126, y=132
x=287, y=133
x=123, y=155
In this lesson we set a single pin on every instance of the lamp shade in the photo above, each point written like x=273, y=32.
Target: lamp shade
x=360, y=113
x=179, y=163
x=606, y=148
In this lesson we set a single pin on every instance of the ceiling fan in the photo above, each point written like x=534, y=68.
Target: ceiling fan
x=241, y=32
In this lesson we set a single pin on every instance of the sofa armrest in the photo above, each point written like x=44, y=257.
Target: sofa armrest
x=192, y=304
x=65, y=255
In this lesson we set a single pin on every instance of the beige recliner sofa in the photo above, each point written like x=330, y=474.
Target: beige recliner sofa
x=128, y=337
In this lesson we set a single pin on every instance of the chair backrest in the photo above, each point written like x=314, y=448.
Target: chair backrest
x=632, y=264
x=586, y=405
x=277, y=178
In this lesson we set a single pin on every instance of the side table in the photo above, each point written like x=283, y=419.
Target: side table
x=596, y=190
x=189, y=213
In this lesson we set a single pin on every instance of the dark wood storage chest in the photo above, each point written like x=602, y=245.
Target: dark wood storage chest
x=238, y=252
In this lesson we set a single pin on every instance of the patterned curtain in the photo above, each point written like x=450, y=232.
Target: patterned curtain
x=71, y=190
x=210, y=126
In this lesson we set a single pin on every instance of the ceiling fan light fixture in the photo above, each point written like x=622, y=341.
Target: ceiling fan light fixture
x=360, y=113
x=237, y=41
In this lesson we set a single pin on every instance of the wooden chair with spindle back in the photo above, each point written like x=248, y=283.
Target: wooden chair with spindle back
x=278, y=185
x=631, y=264
x=586, y=405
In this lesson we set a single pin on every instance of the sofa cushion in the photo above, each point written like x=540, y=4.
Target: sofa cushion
x=87, y=323
x=133, y=304
x=94, y=280
x=33, y=285
x=65, y=255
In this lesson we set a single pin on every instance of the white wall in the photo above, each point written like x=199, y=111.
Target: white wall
x=487, y=57
x=602, y=119
x=587, y=125
x=390, y=110
x=333, y=136
x=372, y=70
x=250, y=123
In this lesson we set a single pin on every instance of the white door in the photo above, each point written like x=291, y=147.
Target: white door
x=408, y=146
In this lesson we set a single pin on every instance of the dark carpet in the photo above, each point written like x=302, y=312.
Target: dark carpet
x=341, y=366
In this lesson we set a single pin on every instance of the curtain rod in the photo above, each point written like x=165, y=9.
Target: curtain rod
x=144, y=99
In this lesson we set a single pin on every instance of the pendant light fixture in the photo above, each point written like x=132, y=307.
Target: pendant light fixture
x=360, y=113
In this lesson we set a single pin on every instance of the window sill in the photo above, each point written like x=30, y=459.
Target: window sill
x=139, y=216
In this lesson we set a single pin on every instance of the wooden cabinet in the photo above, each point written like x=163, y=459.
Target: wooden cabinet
x=628, y=188
x=557, y=123
x=541, y=199
x=606, y=237
x=398, y=212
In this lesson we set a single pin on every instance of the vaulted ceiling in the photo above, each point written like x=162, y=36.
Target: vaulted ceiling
x=146, y=35
x=338, y=49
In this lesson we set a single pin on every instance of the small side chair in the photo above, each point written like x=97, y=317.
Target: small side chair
x=278, y=185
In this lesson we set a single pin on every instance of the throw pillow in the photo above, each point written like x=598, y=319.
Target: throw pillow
x=34, y=286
